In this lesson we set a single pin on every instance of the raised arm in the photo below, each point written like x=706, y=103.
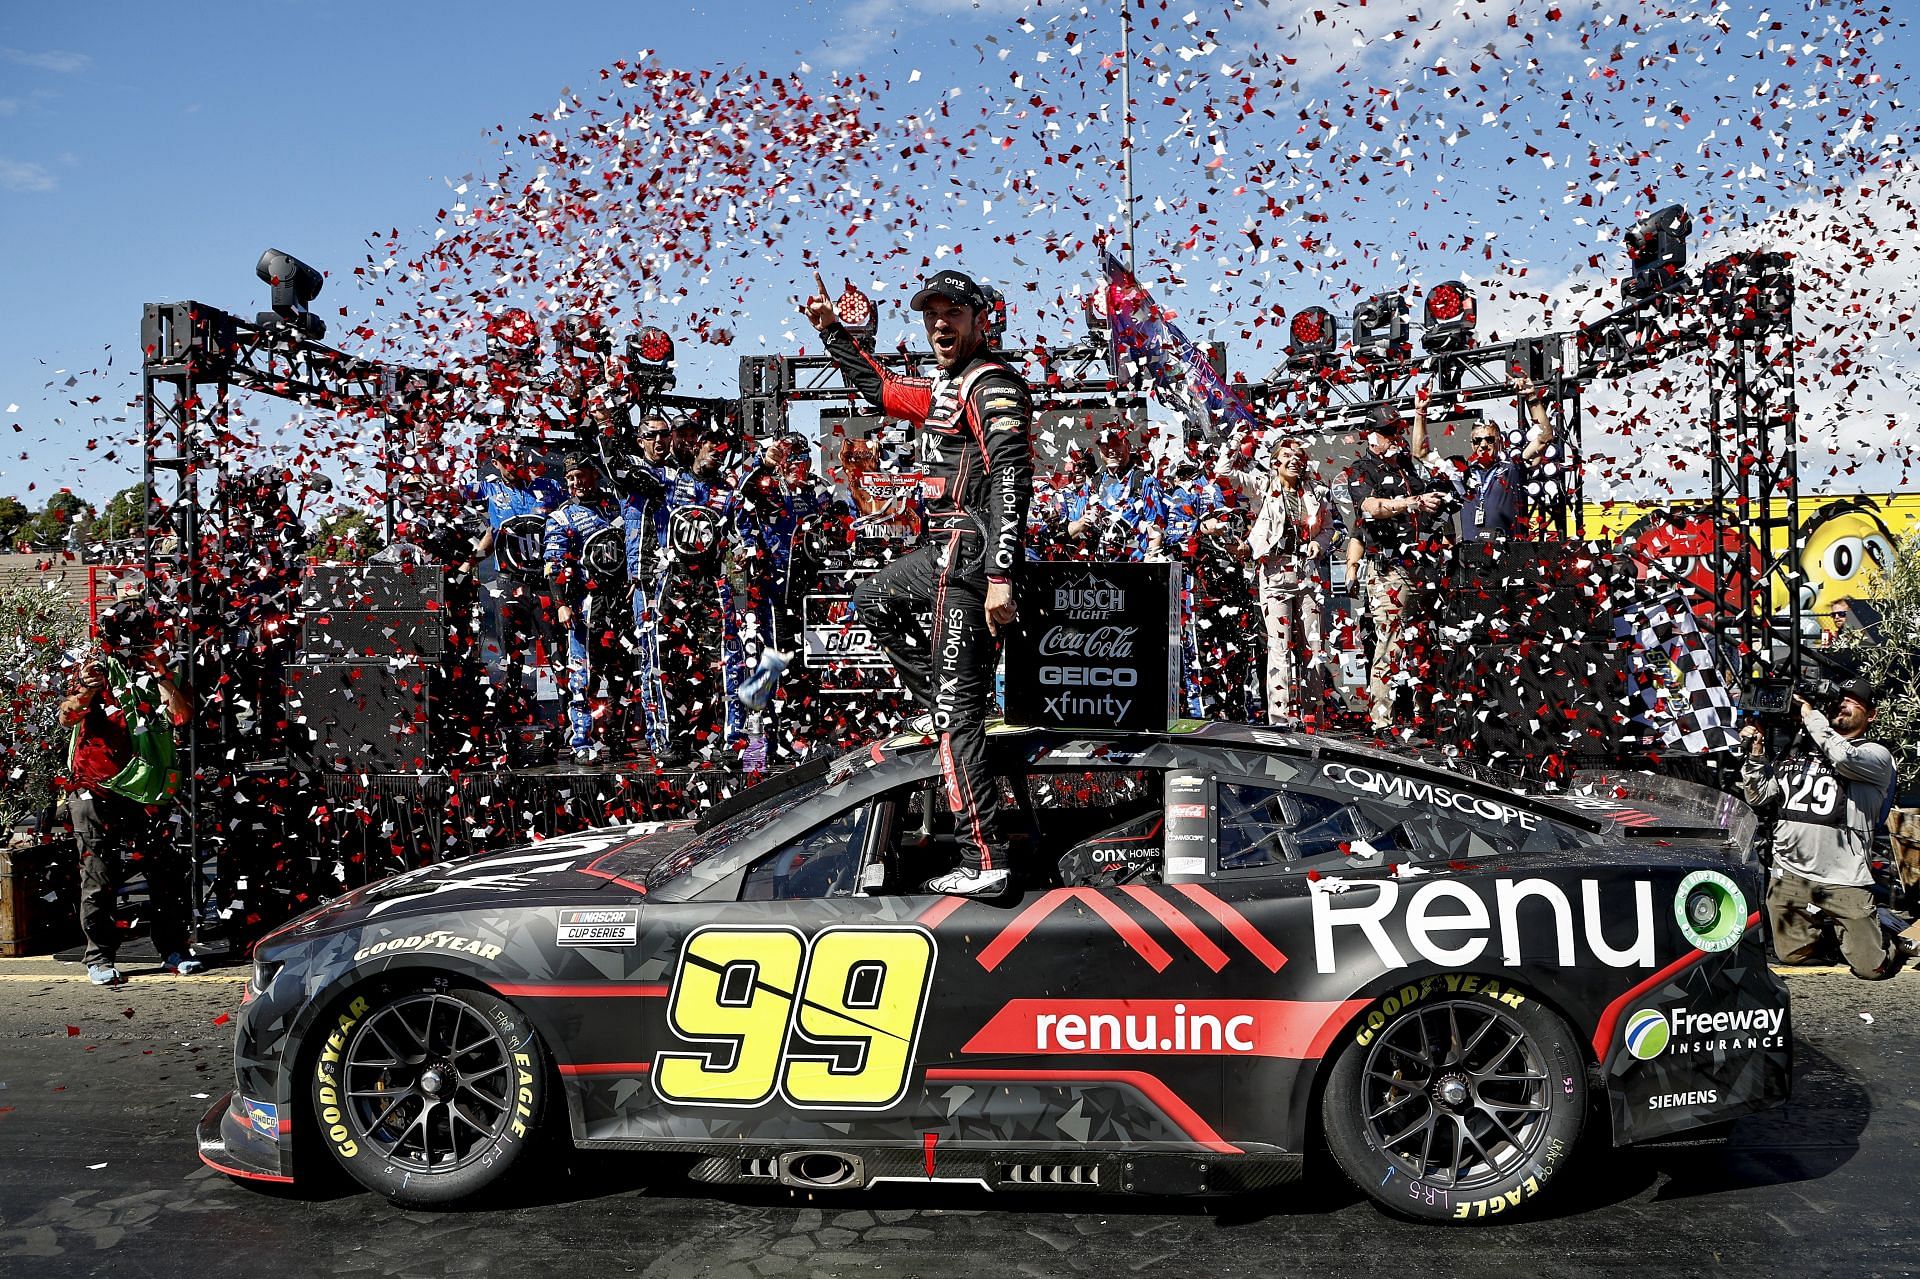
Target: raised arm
x=900, y=397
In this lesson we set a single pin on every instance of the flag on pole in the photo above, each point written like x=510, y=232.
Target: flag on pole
x=1184, y=380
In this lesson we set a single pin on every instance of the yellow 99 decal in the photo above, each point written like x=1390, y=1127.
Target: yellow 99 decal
x=852, y=1002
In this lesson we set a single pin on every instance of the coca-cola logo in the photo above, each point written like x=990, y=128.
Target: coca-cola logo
x=1097, y=642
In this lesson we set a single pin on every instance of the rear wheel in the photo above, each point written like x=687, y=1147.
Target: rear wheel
x=1455, y=1108
x=429, y=1096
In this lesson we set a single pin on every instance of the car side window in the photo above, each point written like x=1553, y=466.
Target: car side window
x=1266, y=825
x=824, y=862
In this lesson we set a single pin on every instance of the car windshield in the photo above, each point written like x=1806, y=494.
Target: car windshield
x=744, y=824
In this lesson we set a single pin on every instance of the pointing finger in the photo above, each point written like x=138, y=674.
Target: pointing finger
x=820, y=283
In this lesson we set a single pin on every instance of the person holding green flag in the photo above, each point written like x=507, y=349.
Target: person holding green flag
x=122, y=777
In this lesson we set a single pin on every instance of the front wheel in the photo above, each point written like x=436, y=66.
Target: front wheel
x=429, y=1096
x=1455, y=1107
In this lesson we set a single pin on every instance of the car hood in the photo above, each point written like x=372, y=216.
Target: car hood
x=614, y=858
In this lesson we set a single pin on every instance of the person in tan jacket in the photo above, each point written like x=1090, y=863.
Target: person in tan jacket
x=1288, y=546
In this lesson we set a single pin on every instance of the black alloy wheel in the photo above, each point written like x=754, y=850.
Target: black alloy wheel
x=1456, y=1108
x=428, y=1096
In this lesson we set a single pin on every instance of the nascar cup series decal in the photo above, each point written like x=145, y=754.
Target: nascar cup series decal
x=1711, y=910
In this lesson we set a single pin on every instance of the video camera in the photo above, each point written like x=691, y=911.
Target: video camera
x=1770, y=700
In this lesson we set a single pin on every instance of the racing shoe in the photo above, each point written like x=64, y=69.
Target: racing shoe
x=184, y=965
x=966, y=882
x=757, y=691
x=920, y=725
x=104, y=975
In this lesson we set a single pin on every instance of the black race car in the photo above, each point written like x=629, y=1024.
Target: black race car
x=1235, y=945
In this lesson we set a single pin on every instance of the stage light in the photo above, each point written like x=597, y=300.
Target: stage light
x=650, y=358
x=1750, y=293
x=996, y=317
x=1380, y=327
x=1657, y=248
x=1099, y=315
x=1451, y=313
x=859, y=315
x=513, y=340
x=1530, y=358
x=1311, y=335
x=294, y=284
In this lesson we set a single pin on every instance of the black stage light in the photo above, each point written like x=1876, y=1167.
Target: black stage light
x=1750, y=293
x=650, y=358
x=996, y=317
x=294, y=284
x=513, y=340
x=1657, y=248
x=1380, y=327
x=859, y=315
x=1530, y=358
x=1451, y=314
x=1310, y=337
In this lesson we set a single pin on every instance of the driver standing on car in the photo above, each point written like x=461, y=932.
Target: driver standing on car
x=976, y=419
x=1826, y=802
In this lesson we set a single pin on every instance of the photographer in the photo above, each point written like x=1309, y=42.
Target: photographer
x=1827, y=802
x=123, y=711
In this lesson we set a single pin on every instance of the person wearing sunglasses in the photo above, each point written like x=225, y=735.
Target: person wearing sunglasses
x=1493, y=481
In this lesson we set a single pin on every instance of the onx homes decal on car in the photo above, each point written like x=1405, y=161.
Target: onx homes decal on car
x=1431, y=980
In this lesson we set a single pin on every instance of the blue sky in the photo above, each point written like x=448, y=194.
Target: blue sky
x=146, y=157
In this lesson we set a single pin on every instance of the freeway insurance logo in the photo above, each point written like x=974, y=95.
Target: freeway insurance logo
x=1647, y=1034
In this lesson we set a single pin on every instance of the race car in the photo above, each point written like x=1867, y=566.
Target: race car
x=1232, y=952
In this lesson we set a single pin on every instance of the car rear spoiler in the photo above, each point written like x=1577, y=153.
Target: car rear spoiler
x=1667, y=807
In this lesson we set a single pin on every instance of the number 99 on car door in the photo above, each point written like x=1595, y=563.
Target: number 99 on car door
x=830, y=1023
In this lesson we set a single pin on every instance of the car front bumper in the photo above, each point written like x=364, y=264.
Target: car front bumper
x=234, y=1140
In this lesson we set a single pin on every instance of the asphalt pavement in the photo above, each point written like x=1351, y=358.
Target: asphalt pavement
x=99, y=1091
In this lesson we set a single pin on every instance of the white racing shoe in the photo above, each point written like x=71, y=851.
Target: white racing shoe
x=757, y=691
x=969, y=883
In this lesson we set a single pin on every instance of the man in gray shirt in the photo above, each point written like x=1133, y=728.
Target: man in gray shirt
x=1827, y=803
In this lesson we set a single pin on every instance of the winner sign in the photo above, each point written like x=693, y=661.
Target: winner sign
x=1093, y=647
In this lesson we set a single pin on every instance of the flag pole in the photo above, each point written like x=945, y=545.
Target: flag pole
x=1126, y=124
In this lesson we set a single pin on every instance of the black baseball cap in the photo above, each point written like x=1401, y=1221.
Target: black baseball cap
x=1860, y=691
x=579, y=462
x=951, y=284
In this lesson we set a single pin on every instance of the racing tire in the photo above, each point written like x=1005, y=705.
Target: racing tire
x=1456, y=1099
x=429, y=1096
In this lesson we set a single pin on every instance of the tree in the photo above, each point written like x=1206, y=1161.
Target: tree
x=348, y=538
x=14, y=515
x=1890, y=657
x=54, y=526
x=125, y=517
x=40, y=631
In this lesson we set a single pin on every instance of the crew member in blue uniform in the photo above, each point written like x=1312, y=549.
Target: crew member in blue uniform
x=643, y=509
x=584, y=594
x=700, y=642
x=514, y=485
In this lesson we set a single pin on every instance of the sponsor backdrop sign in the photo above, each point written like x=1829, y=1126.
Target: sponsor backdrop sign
x=1093, y=647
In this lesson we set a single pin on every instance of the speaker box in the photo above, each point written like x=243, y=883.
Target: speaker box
x=373, y=588
x=348, y=635
x=360, y=717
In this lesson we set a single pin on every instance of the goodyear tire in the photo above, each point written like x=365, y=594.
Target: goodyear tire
x=1456, y=1098
x=428, y=1096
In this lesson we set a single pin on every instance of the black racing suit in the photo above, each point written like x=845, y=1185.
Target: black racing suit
x=976, y=465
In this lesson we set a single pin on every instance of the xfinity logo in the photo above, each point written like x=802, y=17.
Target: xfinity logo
x=1450, y=923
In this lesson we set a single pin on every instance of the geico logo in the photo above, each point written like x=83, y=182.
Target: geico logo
x=1090, y=676
x=1434, y=911
x=1394, y=786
